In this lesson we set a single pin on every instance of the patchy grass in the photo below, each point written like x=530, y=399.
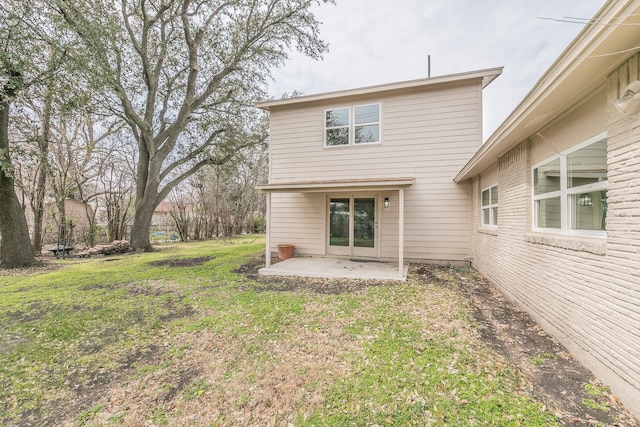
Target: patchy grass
x=601, y=394
x=598, y=390
x=87, y=415
x=158, y=339
x=541, y=360
x=592, y=404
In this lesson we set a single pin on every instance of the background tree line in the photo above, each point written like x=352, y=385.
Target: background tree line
x=121, y=105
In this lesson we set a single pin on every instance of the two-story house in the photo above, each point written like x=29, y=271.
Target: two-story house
x=548, y=208
x=368, y=172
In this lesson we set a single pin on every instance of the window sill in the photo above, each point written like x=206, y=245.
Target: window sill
x=362, y=144
x=487, y=230
x=594, y=245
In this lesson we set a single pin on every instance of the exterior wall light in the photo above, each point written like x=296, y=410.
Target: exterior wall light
x=386, y=202
x=585, y=200
x=631, y=94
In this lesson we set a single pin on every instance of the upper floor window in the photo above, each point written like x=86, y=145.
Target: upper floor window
x=490, y=206
x=352, y=125
x=337, y=127
x=570, y=190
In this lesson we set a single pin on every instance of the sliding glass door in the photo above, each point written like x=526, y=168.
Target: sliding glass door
x=339, y=221
x=352, y=226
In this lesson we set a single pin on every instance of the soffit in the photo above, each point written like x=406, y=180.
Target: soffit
x=337, y=185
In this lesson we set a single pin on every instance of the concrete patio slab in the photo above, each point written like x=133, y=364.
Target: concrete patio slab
x=330, y=267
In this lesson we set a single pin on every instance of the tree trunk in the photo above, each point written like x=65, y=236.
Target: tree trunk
x=91, y=235
x=142, y=226
x=37, y=204
x=15, y=246
x=113, y=206
x=147, y=197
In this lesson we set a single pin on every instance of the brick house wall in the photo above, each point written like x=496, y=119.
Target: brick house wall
x=584, y=291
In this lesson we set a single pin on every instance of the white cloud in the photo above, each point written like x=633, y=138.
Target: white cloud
x=388, y=41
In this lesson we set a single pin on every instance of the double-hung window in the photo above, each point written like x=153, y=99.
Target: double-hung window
x=570, y=190
x=489, y=201
x=352, y=125
x=337, y=125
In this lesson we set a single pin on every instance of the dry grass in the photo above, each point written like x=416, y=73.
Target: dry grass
x=236, y=380
x=278, y=377
x=201, y=345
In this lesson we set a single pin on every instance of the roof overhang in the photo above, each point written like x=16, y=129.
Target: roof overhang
x=337, y=185
x=610, y=38
x=484, y=76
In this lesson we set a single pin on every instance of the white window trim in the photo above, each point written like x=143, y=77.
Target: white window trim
x=565, y=193
x=352, y=126
x=490, y=206
x=348, y=126
x=379, y=123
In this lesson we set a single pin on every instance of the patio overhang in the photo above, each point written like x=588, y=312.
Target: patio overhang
x=336, y=185
x=398, y=184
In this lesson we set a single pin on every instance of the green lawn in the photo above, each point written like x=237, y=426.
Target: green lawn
x=122, y=341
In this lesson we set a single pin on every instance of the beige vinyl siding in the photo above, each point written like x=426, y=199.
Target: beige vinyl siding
x=298, y=150
x=388, y=228
x=426, y=134
x=300, y=220
x=584, y=291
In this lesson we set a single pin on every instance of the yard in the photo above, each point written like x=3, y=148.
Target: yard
x=188, y=336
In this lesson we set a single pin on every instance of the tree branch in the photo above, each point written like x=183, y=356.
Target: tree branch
x=192, y=155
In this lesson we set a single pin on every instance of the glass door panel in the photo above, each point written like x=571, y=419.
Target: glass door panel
x=364, y=222
x=352, y=226
x=339, y=221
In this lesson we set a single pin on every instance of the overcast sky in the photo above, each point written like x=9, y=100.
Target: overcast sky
x=384, y=41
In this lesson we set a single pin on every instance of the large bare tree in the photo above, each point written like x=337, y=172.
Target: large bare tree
x=184, y=74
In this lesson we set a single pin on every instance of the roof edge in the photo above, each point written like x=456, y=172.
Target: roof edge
x=570, y=60
x=487, y=75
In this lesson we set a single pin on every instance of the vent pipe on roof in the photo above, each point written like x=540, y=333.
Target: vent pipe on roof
x=429, y=66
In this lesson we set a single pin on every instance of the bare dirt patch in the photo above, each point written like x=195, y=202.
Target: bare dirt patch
x=181, y=262
x=557, y=379
x=45, y=265
x=64, y=411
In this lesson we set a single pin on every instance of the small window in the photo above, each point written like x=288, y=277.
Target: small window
x=570, y=191
x=490, y=207
x=352, y=125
